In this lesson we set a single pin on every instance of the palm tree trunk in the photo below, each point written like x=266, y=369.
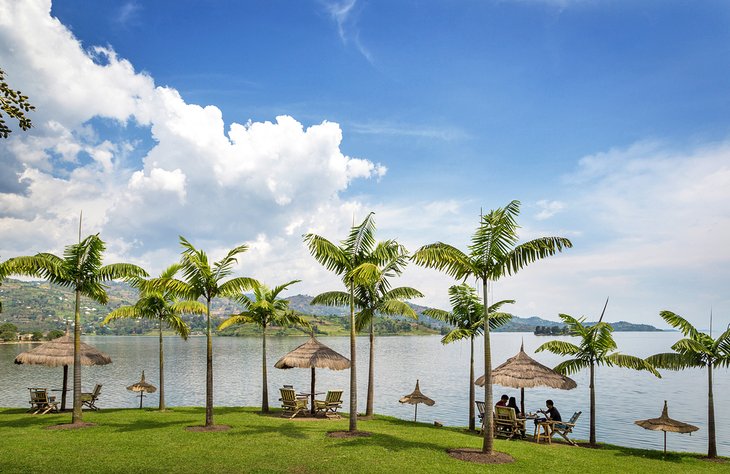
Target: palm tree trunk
x=265, y=383
x=592, y=388
x=488, y=445
x=472, y=424
x=711, y=446
x=371, y=372
x=209, y=373
x=162, y=372
x=353, y=372
x=77, y=417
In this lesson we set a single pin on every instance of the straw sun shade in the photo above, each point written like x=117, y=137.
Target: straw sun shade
x=522, y=371
x=416, y=397
x=313, y=355
x=60, y=352
x=142, y=387
x=664, y=423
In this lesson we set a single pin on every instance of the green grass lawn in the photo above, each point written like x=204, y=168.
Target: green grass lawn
x=128, y=440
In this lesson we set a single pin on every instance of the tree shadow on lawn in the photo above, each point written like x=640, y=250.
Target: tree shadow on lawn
x=287, y=429
x=386, y=441
x=671, y=457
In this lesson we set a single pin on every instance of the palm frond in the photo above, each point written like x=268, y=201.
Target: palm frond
x=559, y=347
x=534, y=250
x=444, y=257
x=177, y=325
x=243, y=318
x=362, y=237
x=129, y=312
x=457, y=334
x=631, y=362
x=673, y=361
x=237, y=285
x=188, y=307
x=117, y=271
x=332, y=298
x=572, y=366
x=680, y=323
x=402, y=293
x=332, y=257
x=396, y=308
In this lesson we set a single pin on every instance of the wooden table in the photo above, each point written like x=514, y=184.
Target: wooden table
x=307, y=395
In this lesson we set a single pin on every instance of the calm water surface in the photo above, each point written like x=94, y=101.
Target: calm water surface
x=622, y=395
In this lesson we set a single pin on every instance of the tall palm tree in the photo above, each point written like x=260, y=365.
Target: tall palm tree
x=466, y=321
x=493, y=253
x=375, y=299
x=596, y=347
x=697, y=349
x=80, y=269
x=205, y=280
x=162, y=306
x=264, y=310
x=356, y=260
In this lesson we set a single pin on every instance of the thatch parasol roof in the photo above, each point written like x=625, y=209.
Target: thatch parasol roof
x=313, y=354
x=60, y=351
x=664, y=423
x=417, y=397
x=522, y=371
x=142, y=386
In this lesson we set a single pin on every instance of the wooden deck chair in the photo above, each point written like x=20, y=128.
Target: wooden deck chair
x=40, y=402
x=330, y=405
x=89, y=399
x=291, y=404
x=564, y=428
x=507, y=424
x=480, y=412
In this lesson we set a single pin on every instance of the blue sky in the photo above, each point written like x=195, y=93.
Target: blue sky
x=606, y=119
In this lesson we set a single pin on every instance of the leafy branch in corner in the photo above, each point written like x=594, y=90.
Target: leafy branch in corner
x=14, y=104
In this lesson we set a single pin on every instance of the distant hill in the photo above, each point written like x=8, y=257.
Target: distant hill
x=39, y=306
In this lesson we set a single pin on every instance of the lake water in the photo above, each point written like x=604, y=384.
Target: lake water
x=622, y=395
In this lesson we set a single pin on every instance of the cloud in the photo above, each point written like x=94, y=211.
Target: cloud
x=260, y=182
x=127, y=12
x=548, y=209
x=393, y=129
x=345, y=15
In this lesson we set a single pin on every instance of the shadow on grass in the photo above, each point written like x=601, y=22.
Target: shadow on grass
x=672, y=457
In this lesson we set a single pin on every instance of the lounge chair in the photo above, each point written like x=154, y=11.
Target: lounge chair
x=330, y=405
x=291, y=404
x=480, y=412
x=507, y=424
x=563, y=428
x=89, y=399
x=40, y=402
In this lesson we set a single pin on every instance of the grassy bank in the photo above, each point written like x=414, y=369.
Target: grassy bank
x=127, y=440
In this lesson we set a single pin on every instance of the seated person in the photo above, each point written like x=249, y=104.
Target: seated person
x=513, y=404
x=502, y=402
x=551, y=413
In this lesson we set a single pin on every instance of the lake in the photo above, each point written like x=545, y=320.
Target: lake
x=622, y=395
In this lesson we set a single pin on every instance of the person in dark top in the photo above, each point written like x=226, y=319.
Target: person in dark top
x=502, y=402
x=552, y=413
x=513, y=404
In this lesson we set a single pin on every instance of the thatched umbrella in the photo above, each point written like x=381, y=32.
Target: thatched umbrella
x=313, y=355
x=60, y=352
x=664, y=423
x=522, y=371
x=416, y=397
x=142, y=387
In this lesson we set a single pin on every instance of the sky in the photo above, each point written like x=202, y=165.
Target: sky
x=232, y=122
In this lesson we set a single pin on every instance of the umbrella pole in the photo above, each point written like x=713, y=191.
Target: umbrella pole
x=141, y=394
x=522, y=400
x=415, y=417
x=312, y=390
x=65, y=387
x=665, y=443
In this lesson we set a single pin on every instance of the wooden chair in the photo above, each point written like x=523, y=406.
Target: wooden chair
x=563, y=428
x=40, y=402
x=89, y=399
x=480, y=412
x=291, y=404
x=507, y=424
x=330, y=405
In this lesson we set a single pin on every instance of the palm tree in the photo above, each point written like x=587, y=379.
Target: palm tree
x=466, y=319
x=697, y=349
x=265, y=310
x=203, y=280
x=159, y=305
x=596, y=347
x=374, y=299
x=356, y=260
x=493, y=253
x=80, y=269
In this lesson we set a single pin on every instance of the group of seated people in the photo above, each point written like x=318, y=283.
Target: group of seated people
x=550, y=413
